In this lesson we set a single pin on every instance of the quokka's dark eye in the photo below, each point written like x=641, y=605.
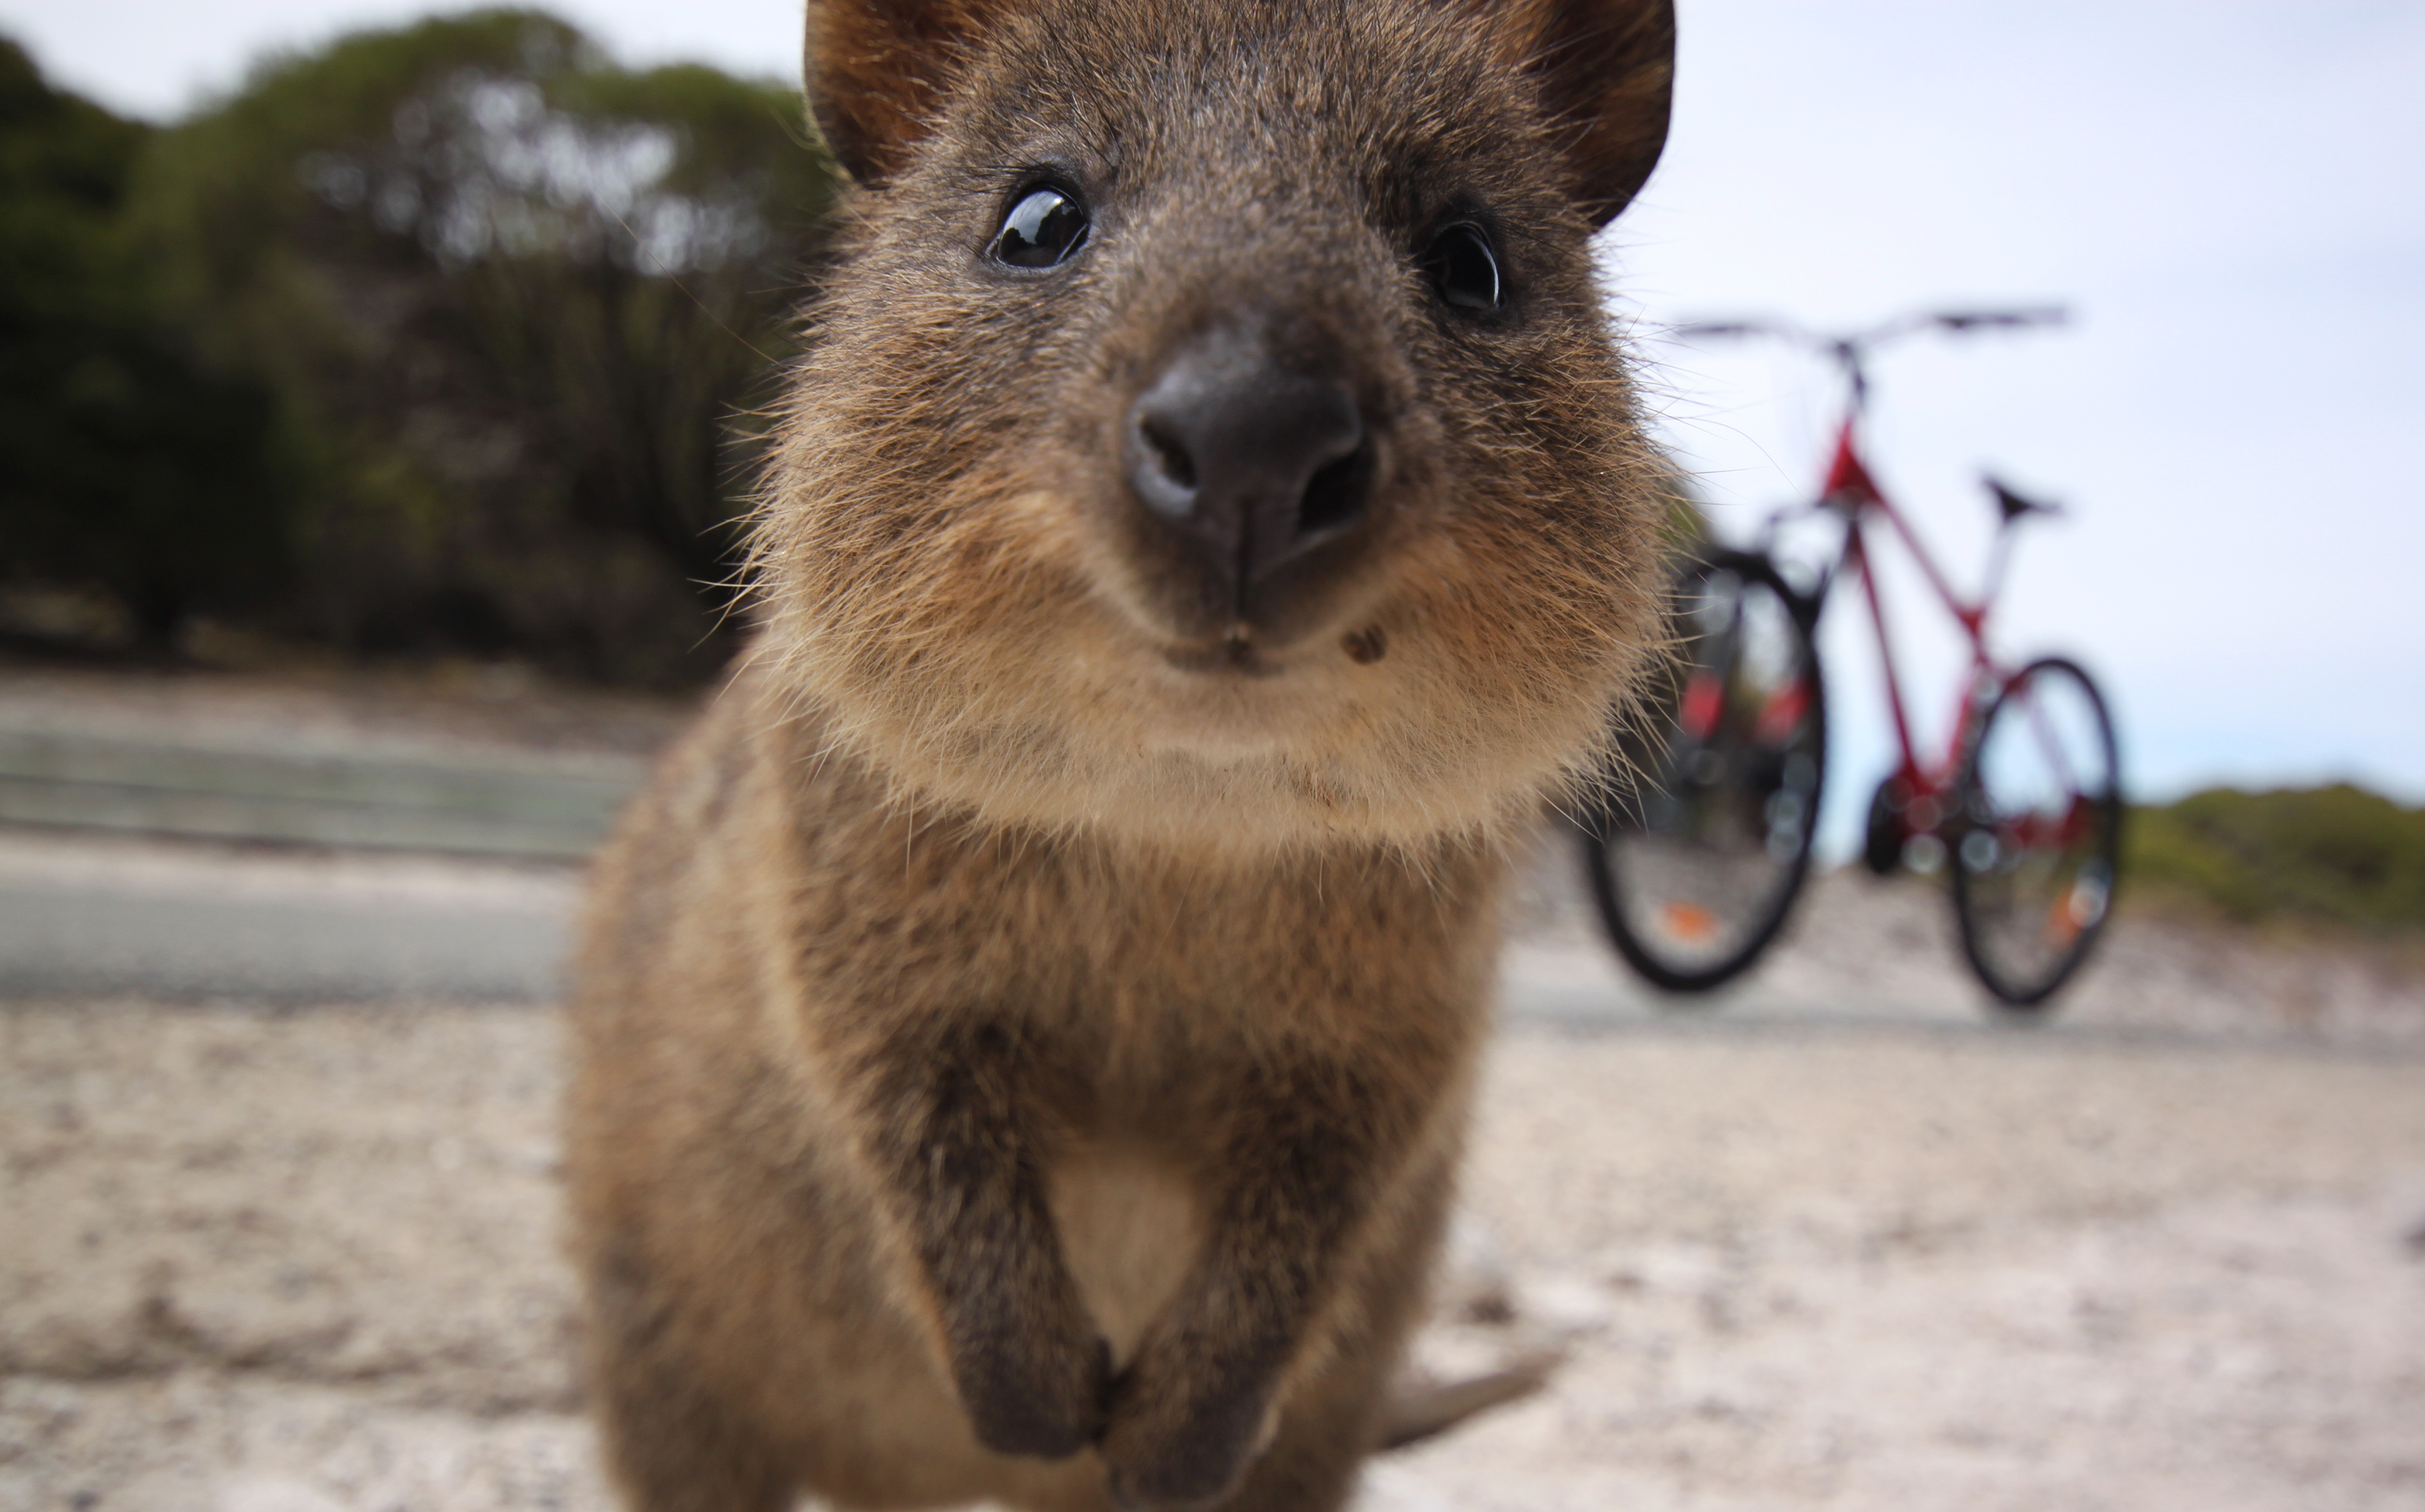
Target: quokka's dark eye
x=1463, y=268
x=1042, y=230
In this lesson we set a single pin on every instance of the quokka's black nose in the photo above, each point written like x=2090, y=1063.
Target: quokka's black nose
x=1246, y=462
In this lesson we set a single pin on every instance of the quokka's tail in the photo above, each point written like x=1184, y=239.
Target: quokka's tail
x=1424, y=1407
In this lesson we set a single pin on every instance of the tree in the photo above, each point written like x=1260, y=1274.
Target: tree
x=123, y=465
x=508, y=299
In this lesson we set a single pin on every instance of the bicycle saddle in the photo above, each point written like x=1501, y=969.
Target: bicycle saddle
x=2011, y=504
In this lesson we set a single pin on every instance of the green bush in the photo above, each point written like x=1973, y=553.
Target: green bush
x=125, y=466
x=437, y=340
x=508, y=299
x=2337, y=855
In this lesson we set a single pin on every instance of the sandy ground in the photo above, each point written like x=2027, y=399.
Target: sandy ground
x=284, y=1261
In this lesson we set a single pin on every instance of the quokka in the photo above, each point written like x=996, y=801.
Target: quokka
x=1023, y=1037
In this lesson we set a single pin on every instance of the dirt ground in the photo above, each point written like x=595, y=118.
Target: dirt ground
x=303, y=1260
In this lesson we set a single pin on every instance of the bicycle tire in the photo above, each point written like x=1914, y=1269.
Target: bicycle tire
x=2037, y=851
x=1678, y=843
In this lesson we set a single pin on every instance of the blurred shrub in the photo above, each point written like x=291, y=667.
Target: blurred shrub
x=469, y=319
x=508, y=298
x=2338, y=854
x=124, y=465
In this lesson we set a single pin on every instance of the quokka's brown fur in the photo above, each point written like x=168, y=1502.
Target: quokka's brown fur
x=1023, y=1037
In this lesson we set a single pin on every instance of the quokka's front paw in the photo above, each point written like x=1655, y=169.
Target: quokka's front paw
x=1173, y=1443
x=1035, y=1396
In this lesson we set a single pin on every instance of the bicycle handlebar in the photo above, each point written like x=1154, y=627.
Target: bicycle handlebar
x=1859, y=342
x=1732, y=327
x=2053, y=314
x=1851, y=351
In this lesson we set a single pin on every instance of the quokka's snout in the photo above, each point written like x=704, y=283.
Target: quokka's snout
x=1254, y=478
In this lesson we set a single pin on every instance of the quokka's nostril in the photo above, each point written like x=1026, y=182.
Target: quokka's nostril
x=1169, y=453
x=1240, y=464
x=1336, y=495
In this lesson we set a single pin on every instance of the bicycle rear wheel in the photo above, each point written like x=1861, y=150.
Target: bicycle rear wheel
x=2040, y=837
x=1697, y=855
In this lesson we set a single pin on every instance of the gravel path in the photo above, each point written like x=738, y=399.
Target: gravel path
x=302, y=1260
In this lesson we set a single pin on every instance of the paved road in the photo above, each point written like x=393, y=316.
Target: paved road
x=89, y=914
x=107, y=916
x=515, y=804
x=97, y=914
x=518, y=783
x=288, y=855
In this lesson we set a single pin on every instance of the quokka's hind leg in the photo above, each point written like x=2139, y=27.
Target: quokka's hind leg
x=1323, y=1440
x=669, y=1442
x=674, y=1448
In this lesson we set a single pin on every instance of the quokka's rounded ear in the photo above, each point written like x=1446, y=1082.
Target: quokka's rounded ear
x=876, y=70
x=1606, y=71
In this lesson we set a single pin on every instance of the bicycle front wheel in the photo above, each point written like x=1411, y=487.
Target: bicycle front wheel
x=2039, y=836
x=1696, y=856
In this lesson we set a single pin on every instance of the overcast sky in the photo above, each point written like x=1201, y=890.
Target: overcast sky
x=2230, y=197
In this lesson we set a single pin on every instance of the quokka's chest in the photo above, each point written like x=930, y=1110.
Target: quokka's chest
x=1131, y=1226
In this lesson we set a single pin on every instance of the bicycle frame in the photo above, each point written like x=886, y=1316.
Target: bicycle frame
x=1852, y=492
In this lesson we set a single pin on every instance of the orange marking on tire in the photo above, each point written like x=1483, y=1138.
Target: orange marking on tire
x=1688, y=922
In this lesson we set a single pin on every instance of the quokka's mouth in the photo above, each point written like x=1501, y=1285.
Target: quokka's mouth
x=1236, y=652
x=1243, y=652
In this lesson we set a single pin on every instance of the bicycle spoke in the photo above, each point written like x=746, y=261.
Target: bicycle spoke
x=2040, y=800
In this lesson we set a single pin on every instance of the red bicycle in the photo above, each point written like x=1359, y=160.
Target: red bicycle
x=1698, y=854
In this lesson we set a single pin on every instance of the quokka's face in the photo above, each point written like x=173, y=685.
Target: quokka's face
x=1213, y=430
